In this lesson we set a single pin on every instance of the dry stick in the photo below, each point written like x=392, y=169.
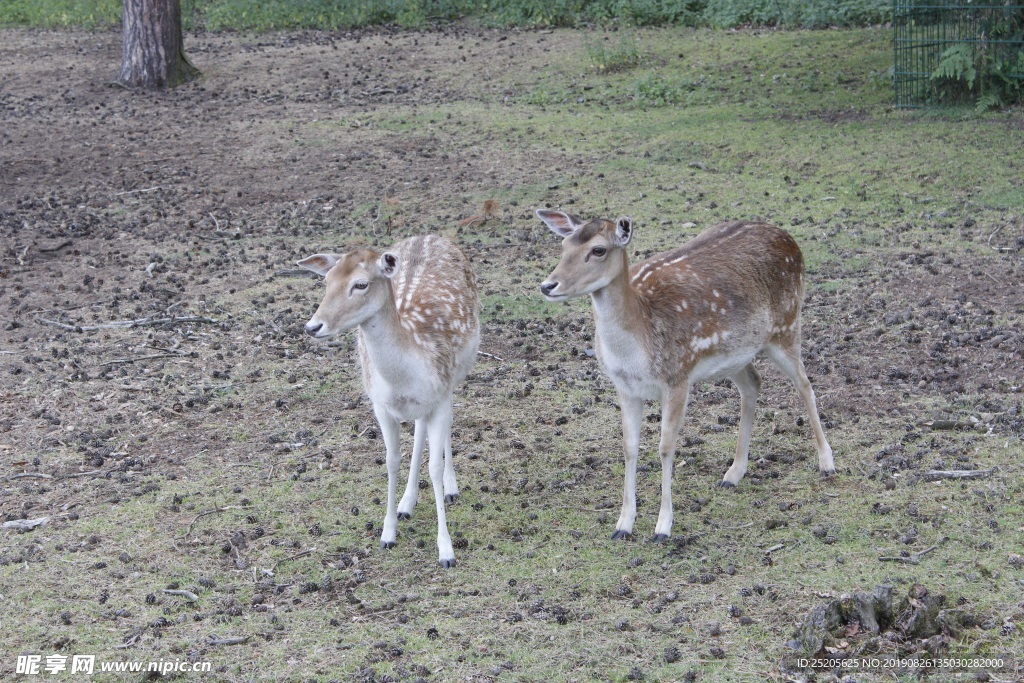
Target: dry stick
x=129, y=641
x=913, y=559
x=30, y=475
x=491, y=355
x=213, y=511
x=294, y=272
x=65, y=243
x=148, y=189
x=119, y=324
x=296, y=556
x=120, y=361
x=994, y=233
x=188, y=595
x=71, y=475
x=935, y=475
x=230, y=640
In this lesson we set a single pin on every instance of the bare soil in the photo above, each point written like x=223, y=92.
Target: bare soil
x=184, y=211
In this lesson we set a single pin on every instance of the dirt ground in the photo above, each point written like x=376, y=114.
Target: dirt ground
x=185, y=211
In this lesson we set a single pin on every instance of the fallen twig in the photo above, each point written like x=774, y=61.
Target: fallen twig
x=71, y=475
x=57, y=247
x=25, y=524
x=120, y=324
x=230, y=640
x=296, y=556
x=491, y=355
x=935, y=475
x=211, y=512
x=994, y=233
x=188, y=595
x=30, y=475
x=913, y=558
x=121, y=361
x=294, y=272
x=130, y=640
x=148, y=189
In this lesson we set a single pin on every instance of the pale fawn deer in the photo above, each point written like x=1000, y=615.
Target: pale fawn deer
x=417, y=310
x=702, y=311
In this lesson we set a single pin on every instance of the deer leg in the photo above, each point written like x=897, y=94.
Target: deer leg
x=673, y=412
x=451, y=487
x=408, y=503
x=632, y=412
x=749, y=383
x=439, y=427
x=391, y=431
x=788, y=360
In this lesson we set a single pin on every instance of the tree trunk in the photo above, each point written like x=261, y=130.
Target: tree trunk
x=154, y=55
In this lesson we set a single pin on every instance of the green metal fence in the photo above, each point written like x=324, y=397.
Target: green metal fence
x=953, y=53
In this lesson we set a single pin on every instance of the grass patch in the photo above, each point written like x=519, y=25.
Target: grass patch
x=618, y=56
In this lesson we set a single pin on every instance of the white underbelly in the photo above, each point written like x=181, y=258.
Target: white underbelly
x=720, y=366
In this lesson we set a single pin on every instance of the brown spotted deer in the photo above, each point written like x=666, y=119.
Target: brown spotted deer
x=416, y=307
x=702, y=311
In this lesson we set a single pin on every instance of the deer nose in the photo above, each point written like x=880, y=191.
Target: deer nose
x=312, y=328
x=547, y=287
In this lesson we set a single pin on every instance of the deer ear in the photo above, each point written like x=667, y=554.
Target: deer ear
x=623, y=231
x=319, y=263
x=561, y=223
x=388, y=264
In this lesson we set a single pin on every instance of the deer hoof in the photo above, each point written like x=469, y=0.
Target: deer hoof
x=450, y=498
x=659, y=538
x=405, y=515
x=619, y=533
x=726, y=484
x=825, y=474
x=447, y=564
x=387, y=545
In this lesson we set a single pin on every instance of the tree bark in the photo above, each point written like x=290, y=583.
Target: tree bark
x=154, y=54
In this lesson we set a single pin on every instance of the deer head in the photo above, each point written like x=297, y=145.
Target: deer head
x=358, y=286
x=593, y=254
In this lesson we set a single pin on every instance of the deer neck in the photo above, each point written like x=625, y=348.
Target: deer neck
x=385, y=340
x=617, y=308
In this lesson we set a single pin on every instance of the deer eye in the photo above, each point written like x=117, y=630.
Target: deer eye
x=599, y=251
x=361, y=285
